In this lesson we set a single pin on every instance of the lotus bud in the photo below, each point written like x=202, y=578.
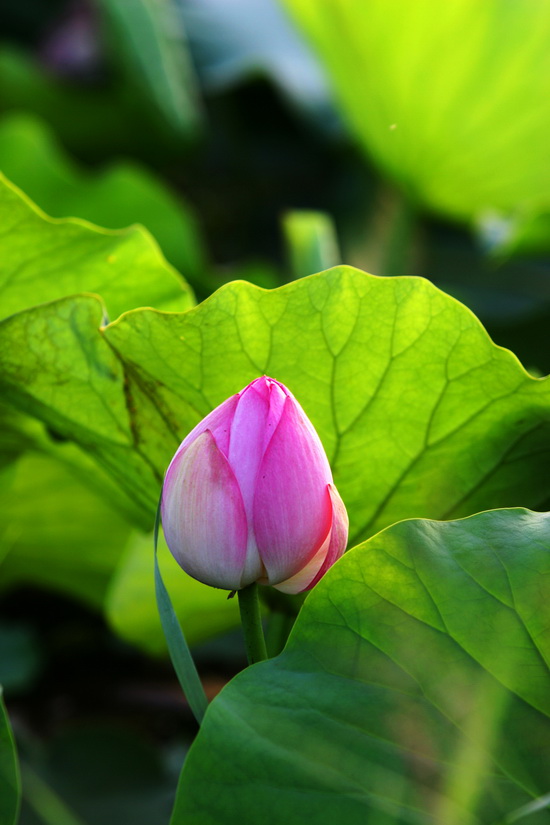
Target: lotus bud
x=248, y=496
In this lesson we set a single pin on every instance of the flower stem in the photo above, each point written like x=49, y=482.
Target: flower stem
x=251, y=620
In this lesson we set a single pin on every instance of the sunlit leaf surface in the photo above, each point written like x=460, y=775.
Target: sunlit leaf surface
x=43, y=259
x=450, y=100
x=420, y=413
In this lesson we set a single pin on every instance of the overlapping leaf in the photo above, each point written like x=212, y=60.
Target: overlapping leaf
x=418, y=671
x=43, y=259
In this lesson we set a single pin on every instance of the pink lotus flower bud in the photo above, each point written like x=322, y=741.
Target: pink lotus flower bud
x=248, y=496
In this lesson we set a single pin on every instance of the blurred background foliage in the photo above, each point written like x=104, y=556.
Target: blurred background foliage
x=252, y=140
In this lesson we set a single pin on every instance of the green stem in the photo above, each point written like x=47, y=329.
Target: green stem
x=399, y=239
x=251, y=620
x=311, y=241
x=390, y=246
x=178, y=648
x=48, y=805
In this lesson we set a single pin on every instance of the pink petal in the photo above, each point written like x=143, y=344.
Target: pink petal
x=301, y=580
x=338, y=535
x=274, y=394
x=204, y=519
x=329, y=552
x=255, y=420
x=264, y=385
x=218, y=422
x=246, y=442
x=277, y=399
x=292, y=512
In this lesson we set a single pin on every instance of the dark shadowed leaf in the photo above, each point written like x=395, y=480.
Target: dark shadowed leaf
x=419, y=670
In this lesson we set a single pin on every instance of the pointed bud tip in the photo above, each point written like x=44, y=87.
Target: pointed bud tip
x=264, y=385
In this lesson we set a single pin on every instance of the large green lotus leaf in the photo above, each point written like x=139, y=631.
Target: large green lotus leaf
x=131, y=605
x=122, y=195
x=450, y=100
x=10, y=790
x=420, y=413
x=42, y=259
x=55, y=532
x=415, y=688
